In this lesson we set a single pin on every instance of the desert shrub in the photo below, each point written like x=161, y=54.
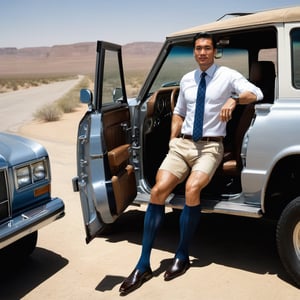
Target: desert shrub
x=14, y=86
x=70, y=101
x=66, y=104
x=48, y=113
x=17, y=82
x=134, y=81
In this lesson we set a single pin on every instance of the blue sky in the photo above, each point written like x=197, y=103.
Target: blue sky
x=31, y=23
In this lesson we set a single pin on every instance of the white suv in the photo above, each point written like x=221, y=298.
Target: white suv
x=121, y=142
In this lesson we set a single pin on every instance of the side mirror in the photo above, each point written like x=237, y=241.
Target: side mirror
x=219, y=53
x=86, y=96
x=117, y=94
x=220, y=46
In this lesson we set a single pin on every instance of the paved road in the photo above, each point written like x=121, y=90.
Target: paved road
x=18, y=107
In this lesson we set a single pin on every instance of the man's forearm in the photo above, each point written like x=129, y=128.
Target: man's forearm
x=247, y=97
x=176, y=126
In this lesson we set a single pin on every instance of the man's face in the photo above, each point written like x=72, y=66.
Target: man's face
x=204, y=53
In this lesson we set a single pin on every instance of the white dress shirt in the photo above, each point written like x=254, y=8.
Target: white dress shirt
x=221, y=83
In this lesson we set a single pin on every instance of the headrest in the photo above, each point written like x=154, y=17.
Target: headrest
x=262, y=70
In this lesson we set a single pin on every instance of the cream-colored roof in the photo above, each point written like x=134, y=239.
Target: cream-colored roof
x=290, y=14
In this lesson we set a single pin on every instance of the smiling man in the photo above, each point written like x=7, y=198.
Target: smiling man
x=207, y=98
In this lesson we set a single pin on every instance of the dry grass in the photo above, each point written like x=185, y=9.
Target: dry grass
x=70, y=100
x=66, y=104
x=134, y=80
x=48, y=113
x=9, y=84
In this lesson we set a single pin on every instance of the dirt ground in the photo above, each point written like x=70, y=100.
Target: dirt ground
x=232, y=257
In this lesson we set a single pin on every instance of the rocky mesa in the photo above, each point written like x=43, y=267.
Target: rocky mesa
x=76, y=58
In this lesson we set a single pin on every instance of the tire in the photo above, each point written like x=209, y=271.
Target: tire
x=288, y=239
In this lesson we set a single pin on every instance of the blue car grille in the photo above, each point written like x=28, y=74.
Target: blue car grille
x=4, y=200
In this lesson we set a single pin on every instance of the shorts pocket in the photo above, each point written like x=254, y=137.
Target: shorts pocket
x=172, y=142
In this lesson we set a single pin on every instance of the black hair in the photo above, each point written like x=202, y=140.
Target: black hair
x=204, y=35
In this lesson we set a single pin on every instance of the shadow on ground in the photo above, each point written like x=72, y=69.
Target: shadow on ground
x=18, y=278
x=237, y=242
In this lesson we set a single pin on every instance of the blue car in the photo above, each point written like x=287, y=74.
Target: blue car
x=26, y=204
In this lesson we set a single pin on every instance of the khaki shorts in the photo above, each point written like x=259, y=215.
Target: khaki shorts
x=185, y=156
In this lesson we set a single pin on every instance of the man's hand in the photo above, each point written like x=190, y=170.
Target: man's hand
x=227, y=109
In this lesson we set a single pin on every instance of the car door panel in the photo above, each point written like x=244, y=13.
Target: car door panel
x=105, y=175
x=114, y=123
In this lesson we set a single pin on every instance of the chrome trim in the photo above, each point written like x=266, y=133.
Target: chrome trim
x=30, y=164
x=7, y=198
x=30, y=221
x=231, y=206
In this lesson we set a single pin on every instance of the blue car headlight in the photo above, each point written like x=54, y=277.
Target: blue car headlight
x=39, y=171
x=23, y=176
x=31, y=173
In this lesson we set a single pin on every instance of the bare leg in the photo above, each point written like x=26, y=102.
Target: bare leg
x=194, y=185
x=165, y=183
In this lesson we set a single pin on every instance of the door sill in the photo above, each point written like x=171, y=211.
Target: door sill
x=231, y=206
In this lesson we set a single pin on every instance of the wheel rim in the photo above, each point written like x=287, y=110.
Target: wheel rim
x=296, y=240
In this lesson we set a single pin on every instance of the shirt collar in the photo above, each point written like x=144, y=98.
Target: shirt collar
x=210, y=71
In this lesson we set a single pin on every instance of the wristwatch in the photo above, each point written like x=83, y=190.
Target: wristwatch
x=236, y=98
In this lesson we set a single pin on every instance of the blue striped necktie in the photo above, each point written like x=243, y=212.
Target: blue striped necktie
x=198, y=121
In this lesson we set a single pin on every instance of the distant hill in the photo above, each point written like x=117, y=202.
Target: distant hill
x=76, y=58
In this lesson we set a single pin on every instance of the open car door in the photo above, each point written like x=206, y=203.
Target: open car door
x=105, y=177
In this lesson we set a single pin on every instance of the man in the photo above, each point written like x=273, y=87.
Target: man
x=193, y=155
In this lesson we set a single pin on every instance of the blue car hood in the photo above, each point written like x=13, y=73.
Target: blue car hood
x=16, y=149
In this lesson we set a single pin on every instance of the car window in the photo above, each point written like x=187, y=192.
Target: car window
x=181, y=61
x=295, y=40
x=112, y=87
x=236, y=59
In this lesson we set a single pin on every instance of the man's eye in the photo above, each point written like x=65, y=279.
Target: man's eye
x=204, y=48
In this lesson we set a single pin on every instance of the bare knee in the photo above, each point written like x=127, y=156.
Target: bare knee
x=195, y=184
x=158, y=195
x=192, y=194
x=165, y=183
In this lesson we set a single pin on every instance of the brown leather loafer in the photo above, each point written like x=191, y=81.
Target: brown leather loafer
x=134, y=281
x=177, y=268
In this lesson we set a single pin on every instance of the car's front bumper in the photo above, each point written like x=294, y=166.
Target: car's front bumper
x=30, y=221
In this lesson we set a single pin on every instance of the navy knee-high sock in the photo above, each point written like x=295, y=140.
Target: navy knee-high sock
x=153, y=219
x=189, y=220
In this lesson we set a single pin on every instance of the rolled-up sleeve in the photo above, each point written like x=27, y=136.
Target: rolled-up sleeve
x=241, y=85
